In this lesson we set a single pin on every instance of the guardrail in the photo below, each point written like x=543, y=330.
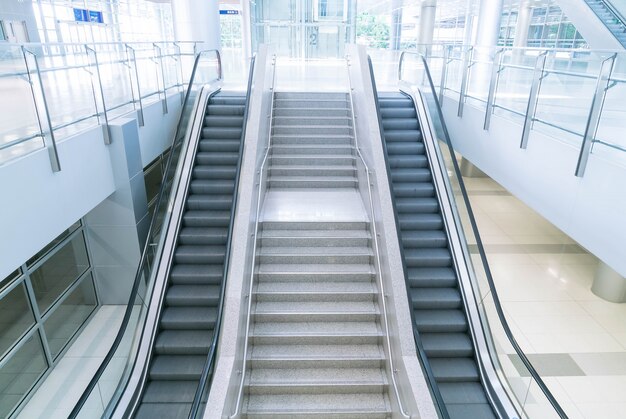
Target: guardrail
x=58, y=89
x=573, y=94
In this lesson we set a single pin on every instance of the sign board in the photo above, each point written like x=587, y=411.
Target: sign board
x=93, y=16
x=229, y=12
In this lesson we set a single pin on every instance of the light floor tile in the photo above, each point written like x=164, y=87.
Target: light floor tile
x=605, y=389
x=602, y=364
x=602, y=410
x=573, y=343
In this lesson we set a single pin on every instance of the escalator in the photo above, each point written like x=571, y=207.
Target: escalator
x=611, y=17
x=192, y=297
x=434, y=288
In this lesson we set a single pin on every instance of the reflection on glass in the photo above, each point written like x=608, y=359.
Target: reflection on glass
x=70, y=315
x=52, y=244
x=153, y=176
x=16, y=317
x=56, y=274
x=20, y=373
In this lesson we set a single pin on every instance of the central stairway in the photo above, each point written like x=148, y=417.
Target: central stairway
x=315, y=337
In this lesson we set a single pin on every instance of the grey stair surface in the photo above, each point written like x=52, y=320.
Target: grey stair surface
x=312, y=142
x=194, y=288
x=612, y=21
x=316, y=339
x=433, y=284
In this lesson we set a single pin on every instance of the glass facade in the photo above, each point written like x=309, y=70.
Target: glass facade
x=109, y=20
x=43, y=304
x=305, y=28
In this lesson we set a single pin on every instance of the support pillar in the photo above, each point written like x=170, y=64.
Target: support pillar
x=489, y=16
x=396, y=24
x=608, y=284
x=522, y=26
x=426, y=27
x=197, y=20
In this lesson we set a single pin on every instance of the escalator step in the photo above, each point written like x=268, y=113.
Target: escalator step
x=411, y=175
x=424, y=239
x=427, y=257
x=199, y=255
x=177, y=368
x=204, y=186
x=183, y=342
x=413, y=190
x=206, y=218
x=431, y=277
x=213, y=202
x=189, y=318
x=405, y=148
x=219, y=145
x=435, y=298
x=399, y=123
x=408, y=162
x=192, y=296
x=447, y=345
x=232, y=121
x=455, y=370
x=420, y=221
x=228, y=110
x=440, y=321
x=197, y=274
x=203, y=236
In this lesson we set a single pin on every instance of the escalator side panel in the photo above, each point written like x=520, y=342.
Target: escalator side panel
x=431, y=276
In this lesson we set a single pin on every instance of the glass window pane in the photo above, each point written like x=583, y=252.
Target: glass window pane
x=20, y=373
x=53, y=243
x=16, y=318
x=56, y=275
x=153, y=177
x=6, y=281
x=69, y=316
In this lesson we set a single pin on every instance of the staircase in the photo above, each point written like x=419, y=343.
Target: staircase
x=192, y=297
x=312, y=142
x=611, y=19
x=315, y=338
x=432, y=281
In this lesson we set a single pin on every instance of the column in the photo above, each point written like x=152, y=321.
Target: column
x=522, y=26
x=396, y=24
x=197, y=20
x=489, y=16
x=426, y=28
x=608, y=284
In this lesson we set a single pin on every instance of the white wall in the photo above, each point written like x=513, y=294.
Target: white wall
x=591, y=209
x=20, y=11
x=38, y=204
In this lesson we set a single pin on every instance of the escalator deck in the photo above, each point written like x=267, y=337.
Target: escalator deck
x=432, y=280
x=192, y=296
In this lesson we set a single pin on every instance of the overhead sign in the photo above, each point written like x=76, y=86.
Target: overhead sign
x=229, y=12
x=92, y=16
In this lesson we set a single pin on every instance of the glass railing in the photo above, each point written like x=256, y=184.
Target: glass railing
x=111, y=377
x=523, y=385
x=575, y=96
x=52, y=91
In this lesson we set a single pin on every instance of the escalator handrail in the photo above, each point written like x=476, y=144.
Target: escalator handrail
x=144, y=255
x=207, y=375
x=479, y=244
x=428, y=373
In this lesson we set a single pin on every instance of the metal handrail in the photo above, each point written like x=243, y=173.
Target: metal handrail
x=208, y=366
x=144, y=257
x=483, y=256
x=381, y=286
x=425, y=363
x=254, y=249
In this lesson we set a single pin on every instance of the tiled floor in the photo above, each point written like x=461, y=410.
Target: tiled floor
x=576, y=340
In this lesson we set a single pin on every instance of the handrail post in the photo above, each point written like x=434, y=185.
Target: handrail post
x=158, y=57
x=467, y=64
x=444, y=71
x=99, y=94
x=180, y=74
x=496, y=67
x=132, y=69
x=533, y=97
x=43, y=121
x=595, y=113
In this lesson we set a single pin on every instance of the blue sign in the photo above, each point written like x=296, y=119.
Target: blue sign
x=93, y=16
x=229, y=12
